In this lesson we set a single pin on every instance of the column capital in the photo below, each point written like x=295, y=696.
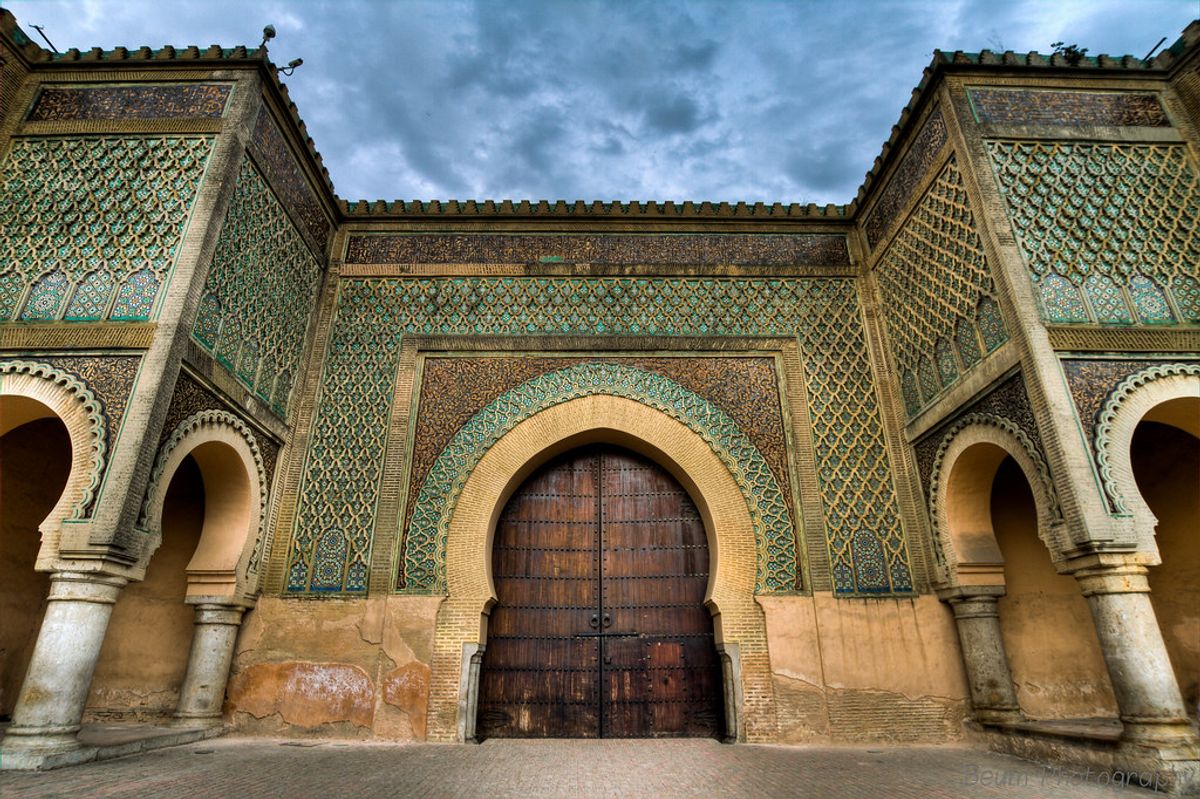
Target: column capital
x=72, y=586
x=219, y=613
x=1110, y=574
x=956, y=594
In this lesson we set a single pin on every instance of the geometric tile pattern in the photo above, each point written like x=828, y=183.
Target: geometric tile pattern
x=89, y=227
x=933, y=279
x=279, y=166
x=867, y=549
x=331, y=541
x=425, y=550
x=343, y=467
x=1008, y=401
x=681, y=306
x=110, y=378
x=453, y=389
x=260, y=292
x=915, y=165
x=1040, y=107
x=1108, y=231
x=763, y=249
x=185, y=100
x=1091, y=381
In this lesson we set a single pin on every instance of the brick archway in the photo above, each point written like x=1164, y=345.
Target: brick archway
x=738, y=620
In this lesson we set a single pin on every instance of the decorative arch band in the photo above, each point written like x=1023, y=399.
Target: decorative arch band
x=1045, y=483
x=213, y=419
x=1109, y=415
x=90, y=408
x=425, y=546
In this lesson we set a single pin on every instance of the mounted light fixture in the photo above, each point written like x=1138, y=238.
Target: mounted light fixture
x=291, y=67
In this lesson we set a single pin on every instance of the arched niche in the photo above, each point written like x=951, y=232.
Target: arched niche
x=35, y=464
x=233, y=476
x=30, y=391
x=1149, y=440
x=965, y=468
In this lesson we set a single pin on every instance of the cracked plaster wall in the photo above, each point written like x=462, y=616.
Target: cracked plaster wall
x=335, y=668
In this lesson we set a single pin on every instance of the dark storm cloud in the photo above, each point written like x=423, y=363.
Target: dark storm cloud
x=581, y=99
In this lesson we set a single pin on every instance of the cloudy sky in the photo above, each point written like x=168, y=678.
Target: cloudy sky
x=619, y=100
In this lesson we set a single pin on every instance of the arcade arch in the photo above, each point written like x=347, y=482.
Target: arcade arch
x=1020, y=620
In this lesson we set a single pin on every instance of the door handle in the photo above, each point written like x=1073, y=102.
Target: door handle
x=595, y=622
x=607, y=620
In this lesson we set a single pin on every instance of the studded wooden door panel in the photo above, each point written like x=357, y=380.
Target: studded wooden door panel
x=601, y=565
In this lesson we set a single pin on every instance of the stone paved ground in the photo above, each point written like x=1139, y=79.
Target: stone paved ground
x=253, y=768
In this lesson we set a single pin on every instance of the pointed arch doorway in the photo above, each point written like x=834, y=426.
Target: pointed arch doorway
x=601, y=565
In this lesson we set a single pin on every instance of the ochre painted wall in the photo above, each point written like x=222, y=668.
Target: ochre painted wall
x=1048, y=631
x=144, y=658
x=865, y=669
x=35, y=460
x=844, y=670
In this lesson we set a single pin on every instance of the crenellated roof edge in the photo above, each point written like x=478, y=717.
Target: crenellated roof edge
x=596, y=209
x=959, y=60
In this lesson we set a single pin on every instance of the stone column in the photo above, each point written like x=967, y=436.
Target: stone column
x=992, y=693
x=203, y=692
x=1148, y=697
x=56, y=685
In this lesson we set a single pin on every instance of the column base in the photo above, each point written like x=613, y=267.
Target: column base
x=196, y=721
x=1159, y=733
x=1074, y=758
x=26, y=749
x=997, y=715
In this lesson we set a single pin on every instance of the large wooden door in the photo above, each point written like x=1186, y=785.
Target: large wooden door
x=601, y=563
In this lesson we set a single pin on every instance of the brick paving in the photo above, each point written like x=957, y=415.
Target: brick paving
x=255, y=767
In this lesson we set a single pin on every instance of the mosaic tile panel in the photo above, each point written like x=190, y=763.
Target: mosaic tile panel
x=509, y=306
x=1043, y=107
x=912, y=168
x=1090, y=381
x=258, y=299
x=155, y=101
x=424, y=554
x=340, y=478
x=933, y=280
x=190, y=398
x=81, y=215
x=1126, y=213
x=275, y=159
x=339, y=486
x=1007, y=400
x=91, y=296
x=758, y=249
x=455, y=389
x=111, y=379
x=853, y=464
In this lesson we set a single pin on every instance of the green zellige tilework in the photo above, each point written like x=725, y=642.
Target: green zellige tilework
x=260, y=292
x=936, y=287
x=1108, y=231
x=425, y=550
x=339, y=489
x=867, y=550
x=90, y=226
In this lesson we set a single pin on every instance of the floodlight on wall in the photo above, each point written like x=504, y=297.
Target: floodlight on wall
x=291, y=67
